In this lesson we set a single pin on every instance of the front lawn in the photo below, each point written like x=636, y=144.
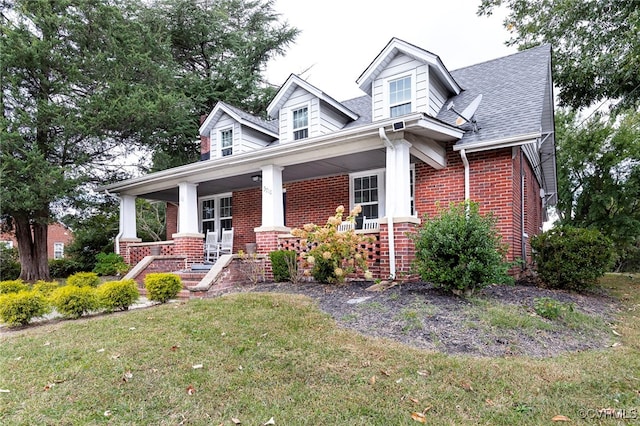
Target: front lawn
x=250, y=357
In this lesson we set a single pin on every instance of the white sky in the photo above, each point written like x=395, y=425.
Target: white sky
x=340, y=38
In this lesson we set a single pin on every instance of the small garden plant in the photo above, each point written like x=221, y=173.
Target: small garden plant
x=73, y=301
x=252, y=266
x=84, y=279
x=161, y=287
x=12, y=286
x=280, y=261
x=20, y=307
x=110, y=264
x=550, y=308
x=461, y=251
x=334, y=254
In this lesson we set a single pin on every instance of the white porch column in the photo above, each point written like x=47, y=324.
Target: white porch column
x=272, y=211
x=188, y=209
x=397, y=182
x=128, y=217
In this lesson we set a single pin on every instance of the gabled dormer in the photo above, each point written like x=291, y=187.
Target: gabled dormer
x=404, y=78
x=303, y=111
x=229, y=130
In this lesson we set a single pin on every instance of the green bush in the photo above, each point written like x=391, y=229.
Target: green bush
x=84, y=279
x=19, y=308
x=45, y=287
x=62, y=268
x=571, y=258
x=280, y=265
x=73, y=301
x=9, y=264
x=461, y=250
x=162, y=286
x=12, y=286
x=110, y=264
x=118, y=294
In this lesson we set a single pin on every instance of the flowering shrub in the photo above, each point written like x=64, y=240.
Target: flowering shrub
x=334, y=254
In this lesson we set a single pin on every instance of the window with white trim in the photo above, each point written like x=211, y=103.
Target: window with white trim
x=215, y=213
x=300, y=123
x=400, y=96
x=226, y=142
x=58, y=250
x=367, y=190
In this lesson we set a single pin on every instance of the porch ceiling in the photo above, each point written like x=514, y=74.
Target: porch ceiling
x=350, y=163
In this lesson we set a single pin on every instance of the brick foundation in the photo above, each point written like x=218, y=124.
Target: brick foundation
x=191, y=246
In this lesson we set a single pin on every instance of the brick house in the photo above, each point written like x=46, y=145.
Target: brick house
x=420, y=135
x=58, y=237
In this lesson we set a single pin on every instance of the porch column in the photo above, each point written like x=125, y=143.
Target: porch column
x=272, y=211
x=398, y=187
x=188, y=208
x=127, y=233
x=188, y=242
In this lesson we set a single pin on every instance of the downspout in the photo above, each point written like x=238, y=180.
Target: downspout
x=465, y=162
x=116, y=242
x=392, y=240
x=524, y=237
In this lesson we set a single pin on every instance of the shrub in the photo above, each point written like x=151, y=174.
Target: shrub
x=251, y=266
x=161, y=286
x=73, y=301
x=62, y=268
x=461, y=250
x=84, y=279
x=12, y=286
x=118, y=294
x=334, y=254
x=19, y=308
x=550, y=308
x=571, y=258
x=110, y=264
x=9, y=264
x=280, y=261
x=45, y=287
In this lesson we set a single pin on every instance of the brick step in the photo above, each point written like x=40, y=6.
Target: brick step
x=183, y=294
x=191, y=276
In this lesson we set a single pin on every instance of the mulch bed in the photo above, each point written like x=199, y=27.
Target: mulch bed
x=422, y=316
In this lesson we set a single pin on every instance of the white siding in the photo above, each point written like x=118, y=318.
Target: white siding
x=252, y=140
x=223, y=123
x=401, y=64
x=298, y=99
x=330, y=120
x=438, y=96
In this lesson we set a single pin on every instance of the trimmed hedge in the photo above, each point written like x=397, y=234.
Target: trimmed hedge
x=12, y=286
x=162, y=286
x=62, y=268
x=118, y=294
x=110, y=264
x=46, y=287
x=571, y=258
x=73, y=301
x=19, y=308
x=84, y=279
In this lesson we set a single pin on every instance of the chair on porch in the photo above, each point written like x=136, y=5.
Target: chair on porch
x=226, y=243
x=370, y=224
x=346, y=225
x=211, y=247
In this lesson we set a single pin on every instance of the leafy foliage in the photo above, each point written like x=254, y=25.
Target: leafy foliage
x=162, y=286
x=9, y=265
x=73, y=302
x=280, y=259
x=45, y=287
x=110, y=264
x=461, y=250
x=19, y=308
x=62, y=268
x=118, y=294
x=12, y=286
x=550, y=308
x=599, y=178
x=571, y=258
x=595, y=42
x=84, y=279
x=334, y=254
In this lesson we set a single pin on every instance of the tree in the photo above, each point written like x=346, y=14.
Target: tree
x=81, y=82
x=222, y=48
x=595, y=45
x=599, y=177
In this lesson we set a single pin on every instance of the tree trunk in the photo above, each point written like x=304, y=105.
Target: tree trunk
x=32, y=246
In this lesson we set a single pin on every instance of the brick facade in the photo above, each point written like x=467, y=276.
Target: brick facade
x=56, y=233
x=171, y=219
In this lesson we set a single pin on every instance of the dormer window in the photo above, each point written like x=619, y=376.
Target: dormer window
x=300, y=123
x=400, y=95
x=226, y=142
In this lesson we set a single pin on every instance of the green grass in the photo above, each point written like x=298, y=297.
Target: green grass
x=267, y=355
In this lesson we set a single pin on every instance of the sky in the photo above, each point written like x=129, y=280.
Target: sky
x=340, y=38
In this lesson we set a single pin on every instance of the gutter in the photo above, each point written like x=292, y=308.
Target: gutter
x=392, y=238
x=498, y=143
x=465, y=162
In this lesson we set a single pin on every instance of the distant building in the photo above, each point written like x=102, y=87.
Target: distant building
x=58, y=237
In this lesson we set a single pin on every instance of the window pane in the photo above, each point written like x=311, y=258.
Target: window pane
x=208, y=226
x=208, y=209
x=300, y=134
x=399, y=110
x=225, y=207
x=225, y=224
x=300, y=118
